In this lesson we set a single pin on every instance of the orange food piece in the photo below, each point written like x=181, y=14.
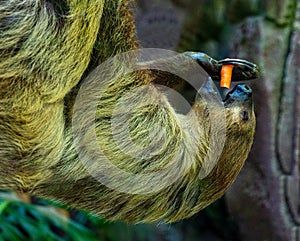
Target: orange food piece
x=226, y=74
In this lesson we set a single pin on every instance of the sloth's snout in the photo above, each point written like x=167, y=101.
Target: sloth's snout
x=240, y=93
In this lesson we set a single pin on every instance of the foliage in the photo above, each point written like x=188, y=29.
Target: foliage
x=30, y=219
x=24, y=221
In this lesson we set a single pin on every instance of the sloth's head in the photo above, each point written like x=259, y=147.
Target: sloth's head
x=238, y=103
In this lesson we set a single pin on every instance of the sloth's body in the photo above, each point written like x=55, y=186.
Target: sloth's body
x=46, y=48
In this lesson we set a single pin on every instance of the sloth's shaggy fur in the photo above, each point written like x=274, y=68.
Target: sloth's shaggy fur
x=46, y=48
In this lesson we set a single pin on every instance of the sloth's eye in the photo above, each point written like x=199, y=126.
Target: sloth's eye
x=244, y=115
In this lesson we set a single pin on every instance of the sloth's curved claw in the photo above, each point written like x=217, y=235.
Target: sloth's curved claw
x=243, y=70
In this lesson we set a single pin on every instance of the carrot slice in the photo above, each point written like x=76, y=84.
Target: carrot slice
x=226, y=73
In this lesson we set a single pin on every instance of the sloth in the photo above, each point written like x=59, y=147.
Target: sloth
x=48, y=48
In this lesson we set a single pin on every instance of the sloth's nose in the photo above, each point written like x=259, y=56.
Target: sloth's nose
x=241, y=93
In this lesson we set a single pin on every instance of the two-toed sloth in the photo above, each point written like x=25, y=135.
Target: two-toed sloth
x=47, y=47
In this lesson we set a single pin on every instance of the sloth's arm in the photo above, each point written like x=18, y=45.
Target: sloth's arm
x=143, y=165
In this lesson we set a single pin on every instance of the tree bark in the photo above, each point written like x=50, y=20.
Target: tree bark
x=265, y=198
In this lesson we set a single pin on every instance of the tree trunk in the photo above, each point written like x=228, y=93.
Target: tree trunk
x=265, y=198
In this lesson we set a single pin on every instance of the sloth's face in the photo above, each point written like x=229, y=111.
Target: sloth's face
x=238, y=102
x=234, y=111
